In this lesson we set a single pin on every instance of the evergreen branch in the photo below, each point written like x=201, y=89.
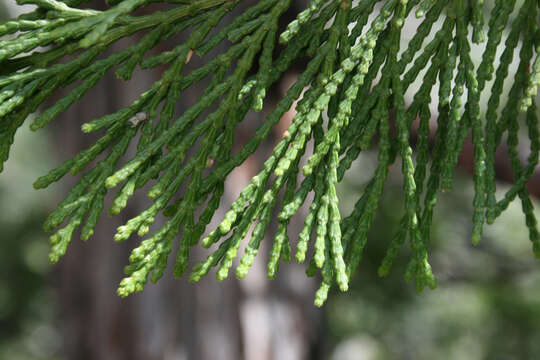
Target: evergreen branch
x=354, y=90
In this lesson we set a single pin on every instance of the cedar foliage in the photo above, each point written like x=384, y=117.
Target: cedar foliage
x=350, y=95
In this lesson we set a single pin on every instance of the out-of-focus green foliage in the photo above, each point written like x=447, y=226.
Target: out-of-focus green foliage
x=27, y=301
x=487, y=305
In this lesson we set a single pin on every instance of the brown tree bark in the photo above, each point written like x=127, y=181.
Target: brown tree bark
x=251, y=319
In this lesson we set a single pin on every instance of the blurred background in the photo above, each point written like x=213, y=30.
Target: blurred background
x=487, y=305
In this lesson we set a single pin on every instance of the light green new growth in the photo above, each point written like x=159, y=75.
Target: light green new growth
x=356, y=89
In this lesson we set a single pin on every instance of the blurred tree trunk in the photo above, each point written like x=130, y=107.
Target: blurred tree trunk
x=173, y=319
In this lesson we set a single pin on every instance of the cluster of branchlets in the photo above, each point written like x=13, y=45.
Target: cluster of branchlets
x=351, y=94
